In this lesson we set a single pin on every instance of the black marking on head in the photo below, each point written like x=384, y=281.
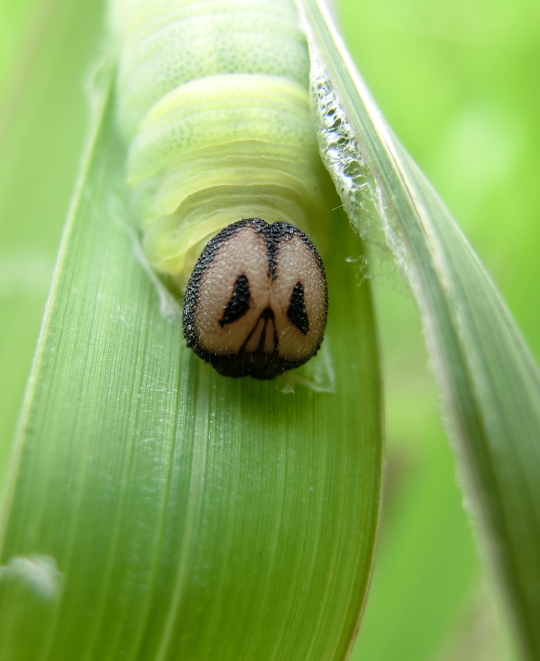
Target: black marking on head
x=238, y=304
x=273, y=237
x=274, y=234
x=266, y=315
x=297, y=312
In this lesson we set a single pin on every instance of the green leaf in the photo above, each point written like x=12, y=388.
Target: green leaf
x=158, y=510
x=489, y=381
x=43, y=121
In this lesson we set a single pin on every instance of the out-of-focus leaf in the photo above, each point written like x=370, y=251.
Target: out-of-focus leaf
x=43, y=120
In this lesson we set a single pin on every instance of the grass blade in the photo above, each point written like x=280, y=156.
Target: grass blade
x=488, y=378
x=158, y=510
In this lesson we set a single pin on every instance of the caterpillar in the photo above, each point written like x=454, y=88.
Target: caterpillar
x=213, y=102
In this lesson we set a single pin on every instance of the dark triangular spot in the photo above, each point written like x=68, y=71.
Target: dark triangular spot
x=297, y=309
x=238, y=304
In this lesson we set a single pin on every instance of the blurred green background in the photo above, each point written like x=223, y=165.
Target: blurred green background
x=458, y=82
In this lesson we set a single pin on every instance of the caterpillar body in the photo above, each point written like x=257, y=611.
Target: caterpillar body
x=213, y=101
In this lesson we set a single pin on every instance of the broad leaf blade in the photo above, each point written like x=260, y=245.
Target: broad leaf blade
x=177, y=512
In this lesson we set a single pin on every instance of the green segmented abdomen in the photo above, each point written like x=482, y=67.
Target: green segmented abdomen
x=213, y=99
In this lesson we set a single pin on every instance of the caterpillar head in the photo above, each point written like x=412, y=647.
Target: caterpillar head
x=257, y=300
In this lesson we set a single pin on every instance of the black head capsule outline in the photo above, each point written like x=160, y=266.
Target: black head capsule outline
x=256, y=303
